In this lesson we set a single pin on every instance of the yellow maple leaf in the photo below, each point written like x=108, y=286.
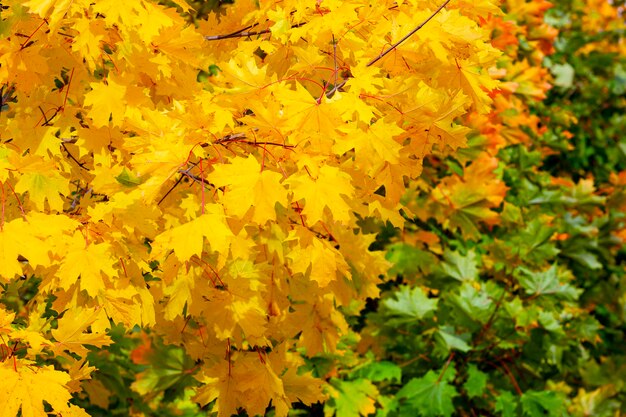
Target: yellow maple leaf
x=179, y=293
x=476, y=83
x=372, y=148
x=17, y=237
x=220, y=382
x=188, y=239
x=247, y=186
x=53, y=10
x=33, y=337
x=90, y=32
x=89, y=262
x=233, y=313
x=6, y=319
x=43, y=182
x=323, y=260
x=26, y=387
x=107, y=102
x=304, y=387
x=120, y=306
x=9, y=265
x=325, y=191
x=72, y=334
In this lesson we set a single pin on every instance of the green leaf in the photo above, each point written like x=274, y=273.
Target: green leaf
x=549, y=322
x=546, y=283
x=506, y=403
x=429, y=396
x=451, y=341
x=128, y=179
x=351, y=398
x=388, y=404
x=475, y=303
x=409, y=260
x=476, y=381
x=541, y=403
x=585, y=258
x=380, y=371
x=169, y=368
x=457, y=266
x=534, y=242
x=411, y=303
x=511, y=213
x=564, y=75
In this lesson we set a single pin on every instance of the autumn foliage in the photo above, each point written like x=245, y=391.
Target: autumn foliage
x=246, y=208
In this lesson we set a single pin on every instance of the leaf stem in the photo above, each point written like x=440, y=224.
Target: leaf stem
x=445, y=368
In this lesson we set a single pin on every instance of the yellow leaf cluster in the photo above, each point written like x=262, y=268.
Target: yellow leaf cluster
x=208, y=179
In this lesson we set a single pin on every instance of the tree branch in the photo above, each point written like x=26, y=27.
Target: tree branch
x=243, y=33
x=330, y=93
x=408, y=35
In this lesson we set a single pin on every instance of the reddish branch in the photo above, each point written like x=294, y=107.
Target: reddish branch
x=244, y=33
x=408, y=35
x=392, y=47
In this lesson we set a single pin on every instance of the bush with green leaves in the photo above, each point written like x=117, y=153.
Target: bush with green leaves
x=512, y=301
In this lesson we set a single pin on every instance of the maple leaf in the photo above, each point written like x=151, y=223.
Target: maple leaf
x=476, y=381
x=372, y=148
x=323, y=260
x=187, y=239
x=18, y=237
x=409, y=304
x=304, y=387
x=87, y=40
x=71, y=333
x=27, y=387
x=462, y=202
x=326, y=190
x=476, y=84
x=53, y=10
x=89, y=262
x=430, y=395
x=6, y=319
x=247, y=185
x=43, y=182
x=234, y=313
x=107, y=103
x=351, y=398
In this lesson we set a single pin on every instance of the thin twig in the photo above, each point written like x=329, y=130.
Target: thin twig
x=249, y=142
x=332, y=92
x=508, y=373
x=226, y=138
x=241, y=138
x=408, y=35
x=178, y=181
x=335, y=58
x=244, y=34
x=80, y=164
x=196, y=178
x=335, y=88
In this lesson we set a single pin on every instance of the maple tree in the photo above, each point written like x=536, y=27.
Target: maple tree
x=205, y=180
